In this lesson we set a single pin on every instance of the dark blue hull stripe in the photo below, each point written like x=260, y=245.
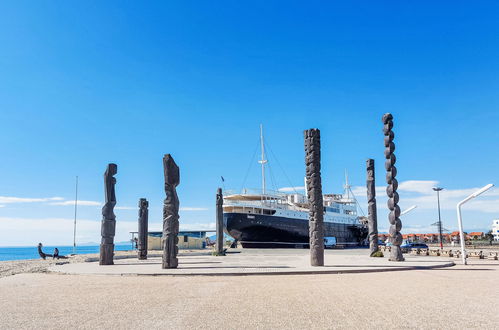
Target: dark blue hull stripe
x=266, y=229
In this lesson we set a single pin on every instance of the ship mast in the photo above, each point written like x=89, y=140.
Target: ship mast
x=347, y=186
x=263, y=161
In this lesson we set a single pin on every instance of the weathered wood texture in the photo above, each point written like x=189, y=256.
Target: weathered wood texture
x=391, y=190
x=143, y=228
x=170, y=213
x=314, y=192
x=372, y=216
x=220, y=223
x=108, y=227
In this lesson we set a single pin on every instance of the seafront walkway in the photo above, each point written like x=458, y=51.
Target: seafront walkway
x=255, y=262
x=457, y=297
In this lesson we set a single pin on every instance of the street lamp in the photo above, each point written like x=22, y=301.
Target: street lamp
x=408, y=210
x=460, y=219
x=438, y=190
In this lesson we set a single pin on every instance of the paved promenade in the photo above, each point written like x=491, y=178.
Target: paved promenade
x=257, y=262
x=458, y=297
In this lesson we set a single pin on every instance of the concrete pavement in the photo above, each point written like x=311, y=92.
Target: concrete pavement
x=257, y=262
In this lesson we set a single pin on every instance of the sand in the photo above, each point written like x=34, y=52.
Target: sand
x=12, y=267
x=457, y=297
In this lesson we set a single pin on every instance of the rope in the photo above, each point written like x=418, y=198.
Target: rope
x=249, y=166
x=282, y=169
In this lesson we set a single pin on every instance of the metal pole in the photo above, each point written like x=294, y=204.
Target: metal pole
x=460, y=220
x=461, y=234
x=439, y=221
x=76, y=208
x=263, y=160
x=408, y=210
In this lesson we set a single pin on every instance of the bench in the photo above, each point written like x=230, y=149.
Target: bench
x=423, y=252
x=493, y=256
x=414, y=252
x=435, y=253
x=475, y=255
x=447, y=253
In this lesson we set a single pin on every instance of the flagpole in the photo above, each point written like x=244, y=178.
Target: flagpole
x=76, y=207
x=223, y=182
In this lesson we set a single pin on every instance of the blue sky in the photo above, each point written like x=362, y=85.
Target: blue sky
x=85, y=84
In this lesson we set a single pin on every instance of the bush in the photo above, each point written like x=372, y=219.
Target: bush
x=377, y=254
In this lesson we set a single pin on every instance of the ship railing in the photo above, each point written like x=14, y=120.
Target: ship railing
x=253, y=191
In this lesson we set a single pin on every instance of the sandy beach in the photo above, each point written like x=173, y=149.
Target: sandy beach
x=456, y=297
x=12, y=267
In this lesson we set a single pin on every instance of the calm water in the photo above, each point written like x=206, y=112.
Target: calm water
x=21, y=252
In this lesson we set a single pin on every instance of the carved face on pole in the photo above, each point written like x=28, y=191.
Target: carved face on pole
x=172, y=172
x=143, y=203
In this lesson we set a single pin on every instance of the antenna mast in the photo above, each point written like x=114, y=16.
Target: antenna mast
x=347, y=186
x=76, y=207
x=263, y=161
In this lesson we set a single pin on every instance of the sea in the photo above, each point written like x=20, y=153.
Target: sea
x=31, y=252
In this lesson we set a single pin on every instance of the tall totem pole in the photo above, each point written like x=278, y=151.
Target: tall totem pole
x=391, y=190
x=314, y=193
x=220, y=223
x=170, y=213
x=143, y=228
x=108, y=225
x=372, y=217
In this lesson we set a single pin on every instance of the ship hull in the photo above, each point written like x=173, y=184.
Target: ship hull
x=266, y=231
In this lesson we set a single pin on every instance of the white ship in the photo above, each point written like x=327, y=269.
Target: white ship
x=263, y=218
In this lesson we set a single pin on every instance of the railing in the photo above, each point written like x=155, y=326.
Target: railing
x=254, y=191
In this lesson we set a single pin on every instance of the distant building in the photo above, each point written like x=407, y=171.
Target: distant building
x=495, y=229
x=476, y=235
x=187, y=239
x=434, y=237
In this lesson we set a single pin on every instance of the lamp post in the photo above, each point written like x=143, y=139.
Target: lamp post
x=408, y=210
x=460, y=220
x=440, y=239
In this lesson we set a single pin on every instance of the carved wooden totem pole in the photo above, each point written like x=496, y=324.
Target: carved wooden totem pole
x=170, y=213
x=143, y=228
x=108, y=227
x=314, y=193
x=391, y=190
x=372, y=217
x=220, y=223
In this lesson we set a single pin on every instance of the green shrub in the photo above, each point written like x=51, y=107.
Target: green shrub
x=377, y=254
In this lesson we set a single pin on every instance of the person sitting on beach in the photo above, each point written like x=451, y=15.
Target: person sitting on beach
x=40, y=252
x=56, y=255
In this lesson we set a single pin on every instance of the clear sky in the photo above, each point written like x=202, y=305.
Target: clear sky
x=86, y=83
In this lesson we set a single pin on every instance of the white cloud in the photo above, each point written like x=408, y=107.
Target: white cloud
x=57, y=231
x=360, y=191
x=186, y=226
x=422, y=187
x=11, y=200
x=80, y=203
x=478, y=213
x=292, y=189
x=126, y=208
x=193, y=209
x=420, y=193
x=195, y=226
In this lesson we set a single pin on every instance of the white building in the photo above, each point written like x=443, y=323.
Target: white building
x=495, y=229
